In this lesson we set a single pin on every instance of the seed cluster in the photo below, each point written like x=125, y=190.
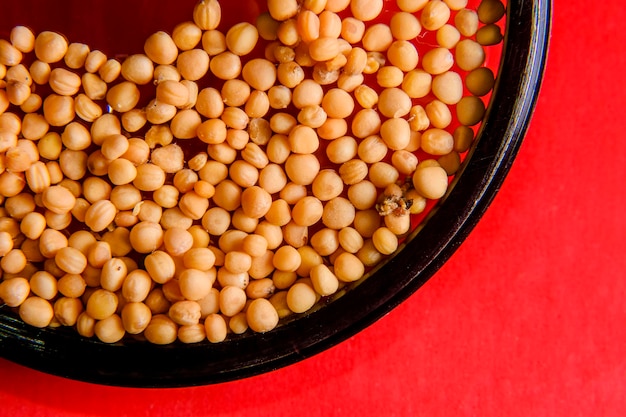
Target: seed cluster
x=222, y=180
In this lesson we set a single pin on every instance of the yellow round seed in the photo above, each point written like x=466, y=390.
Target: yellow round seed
x=490, y=11
x=123, y=97
x=448, y=36
x=242, y=38
x=261, y=315
x=403, y=55
x=193, y=64
x=160, y=48
x=352, y=29
x=437, y=61
x=389, y=76
x=338, y=213
x=101, y=304
x=138, y=68
x=286, y=258
x=36, y=311
x=439, y=114
x=385, y=241
x=70, y=260
x=161, y=331
x=22, y=38
x=259, y=73
x=489, y=35
x=365, y=123
x=437, y=141
x=185, y=312
x=434, y=15
x=394, y=102
x=377, y=37
x=58, y=110
x=396, y=133
x=186, y=35
x=470, y=110
x=405, y=26
x=431, y=181
x=366, y=10
x=466, y=21
x=110, y=70
x=324, y=281
x=362, y=195
x=469, y=54
x=480, y=81
x=135, y=317
x=207, y=14
x=448, y=87
x=282, y=9
x=302, y=168
x=14, y=291
x=348, y=267
x=301, y=297
x=50, y=47
x=121, y=171
x=411, y=6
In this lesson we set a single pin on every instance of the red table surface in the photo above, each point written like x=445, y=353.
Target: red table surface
x=527, y=318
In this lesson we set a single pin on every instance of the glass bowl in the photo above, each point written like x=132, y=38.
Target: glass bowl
x=139, y=364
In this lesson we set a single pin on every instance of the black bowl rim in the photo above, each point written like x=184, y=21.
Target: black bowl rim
x=61, y=353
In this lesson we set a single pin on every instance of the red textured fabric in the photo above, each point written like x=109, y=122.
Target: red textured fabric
x=527, y=318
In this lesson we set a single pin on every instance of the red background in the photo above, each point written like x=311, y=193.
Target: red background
x=527, y=318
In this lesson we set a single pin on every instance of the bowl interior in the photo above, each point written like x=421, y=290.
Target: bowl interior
x=519, y=67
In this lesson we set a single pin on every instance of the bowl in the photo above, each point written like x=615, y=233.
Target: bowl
x=134, y=363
